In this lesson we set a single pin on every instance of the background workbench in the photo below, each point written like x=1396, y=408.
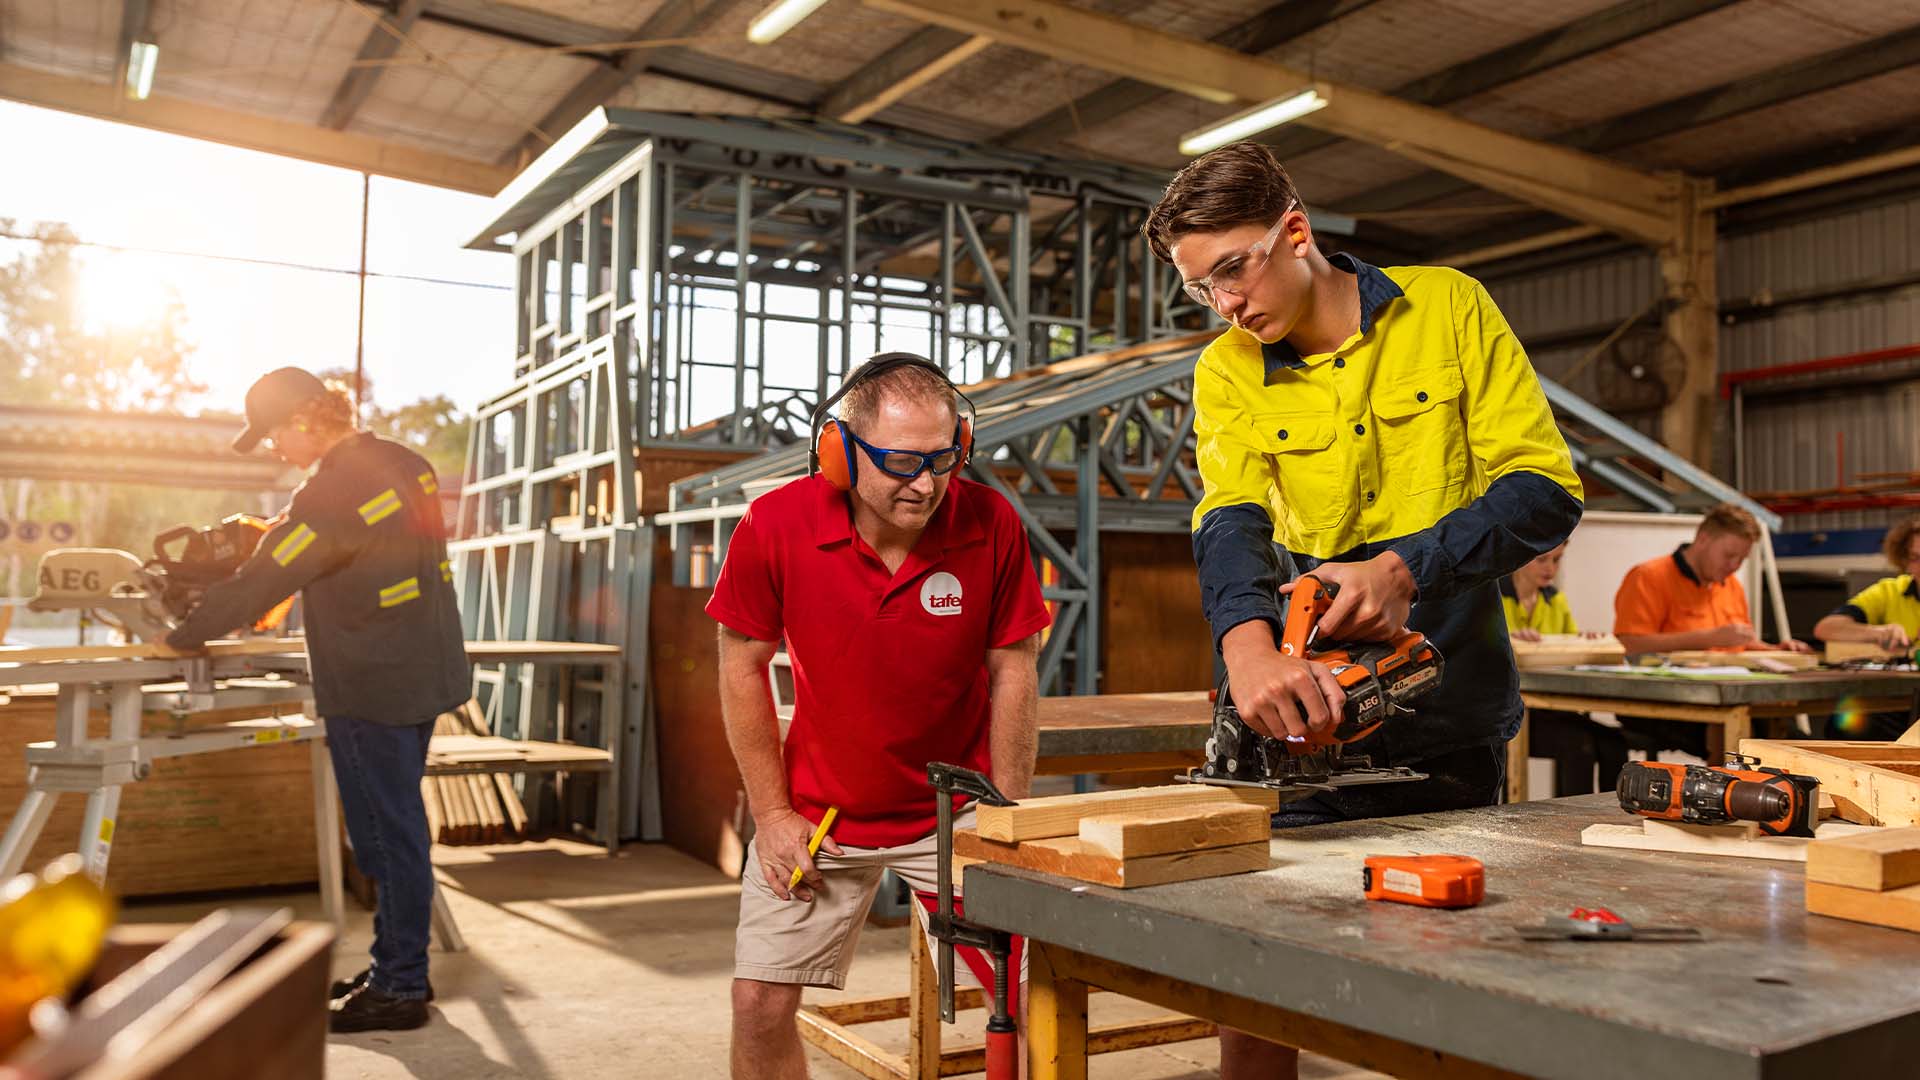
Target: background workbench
x=1730, y=705
x=1123, y=732
x=1295, y=953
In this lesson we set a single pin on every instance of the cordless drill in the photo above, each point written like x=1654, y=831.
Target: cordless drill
x=1780, y=802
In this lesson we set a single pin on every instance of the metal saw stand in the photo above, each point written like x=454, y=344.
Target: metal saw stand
x=76, y=762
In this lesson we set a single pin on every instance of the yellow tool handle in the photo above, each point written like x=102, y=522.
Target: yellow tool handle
x=813, y=844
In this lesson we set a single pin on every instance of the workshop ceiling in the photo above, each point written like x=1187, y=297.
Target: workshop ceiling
x=472, y=89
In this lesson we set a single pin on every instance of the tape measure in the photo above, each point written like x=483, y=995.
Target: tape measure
x=1442, y=881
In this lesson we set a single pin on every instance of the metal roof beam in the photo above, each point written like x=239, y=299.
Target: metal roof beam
x=516, y=22
x=1800, y=78
x=1270, y=29
x=383, y=41
x=674, y=18
x=1598, y=32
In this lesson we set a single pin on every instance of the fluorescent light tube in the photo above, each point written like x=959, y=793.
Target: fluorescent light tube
x=142, y=58
x=1254, y=121
x=778, y=18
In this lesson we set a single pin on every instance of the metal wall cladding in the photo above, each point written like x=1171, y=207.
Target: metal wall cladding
x=1771, y=282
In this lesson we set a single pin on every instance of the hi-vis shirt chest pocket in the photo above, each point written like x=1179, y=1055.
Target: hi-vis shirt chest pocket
x=1423, y=439
x=1309, y=469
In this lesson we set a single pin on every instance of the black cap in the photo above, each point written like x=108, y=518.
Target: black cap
x=276, y=396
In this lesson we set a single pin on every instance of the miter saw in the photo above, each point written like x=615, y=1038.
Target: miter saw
x=1380, y=679
x=148, y=599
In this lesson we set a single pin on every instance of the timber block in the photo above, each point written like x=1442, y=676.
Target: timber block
x=1059, y=815
x=1898, y=909
x=1067, y=856
x=1872, y=783
x=1882, y=860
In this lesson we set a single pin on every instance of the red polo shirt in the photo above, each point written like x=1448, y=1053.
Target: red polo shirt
x=889, y=670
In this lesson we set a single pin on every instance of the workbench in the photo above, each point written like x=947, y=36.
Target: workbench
x=1729, y=704
x=1295, y=954
x=1112, y=733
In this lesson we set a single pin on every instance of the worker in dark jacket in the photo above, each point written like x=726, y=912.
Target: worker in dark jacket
x=364, y=544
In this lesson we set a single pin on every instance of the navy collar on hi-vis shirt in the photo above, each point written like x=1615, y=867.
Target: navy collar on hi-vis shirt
x=1376, y=291
x=1547, y=592
x=954, y=523
x=1913, y=587
x=1686, y=570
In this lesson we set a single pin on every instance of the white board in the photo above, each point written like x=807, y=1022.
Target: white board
x=1608, y=543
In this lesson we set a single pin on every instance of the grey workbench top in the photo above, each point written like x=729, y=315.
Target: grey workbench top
x=1807, y=686
x=1772, y=992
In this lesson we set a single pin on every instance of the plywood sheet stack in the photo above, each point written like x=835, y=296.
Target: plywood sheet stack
x=471, y=808
x=239, y=819
x=1129, y=838
x=1871, y=878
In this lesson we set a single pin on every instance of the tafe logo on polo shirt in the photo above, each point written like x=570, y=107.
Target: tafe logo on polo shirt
x=940, y=594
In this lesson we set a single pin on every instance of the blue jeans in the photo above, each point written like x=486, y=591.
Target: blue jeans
x=378, y=767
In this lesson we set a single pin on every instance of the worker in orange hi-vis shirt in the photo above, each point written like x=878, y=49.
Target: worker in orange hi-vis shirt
x=1690, y=600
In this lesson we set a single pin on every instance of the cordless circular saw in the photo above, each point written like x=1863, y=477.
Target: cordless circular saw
x=1380, y=678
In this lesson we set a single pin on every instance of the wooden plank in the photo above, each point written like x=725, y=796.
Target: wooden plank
x=510, y=804
x=859, y=1054
x=1664, y=710
x=1896, y=908
x=1839, y=652
x=1567, y=650
x=1752, y=659
x=1733, y=841
x=436, y=819
x=1126, y=836
x=482, y=795
x=970, y=1058
x=1059, y=815
x=1888, y=859
x=1872, y=783
x=899, y=71
x=348, y=150
x=1580, y=185
x=1065, y=856
x=40, y=654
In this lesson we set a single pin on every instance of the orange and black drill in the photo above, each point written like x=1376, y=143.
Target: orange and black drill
x=1780, y=802
x=1379, y=677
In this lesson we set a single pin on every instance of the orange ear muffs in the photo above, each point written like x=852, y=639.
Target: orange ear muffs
x=835, y=455
x=963, y=434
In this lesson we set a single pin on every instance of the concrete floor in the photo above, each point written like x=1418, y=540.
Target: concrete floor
x=581, y=966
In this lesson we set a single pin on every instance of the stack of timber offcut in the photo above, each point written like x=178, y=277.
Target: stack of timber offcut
x=470, y=808
x=1871, y=878
x=1127, y=838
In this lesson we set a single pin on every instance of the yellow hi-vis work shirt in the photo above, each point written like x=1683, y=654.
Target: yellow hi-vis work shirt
x=1425, y=433
x=1550, y=613
x=1889, y=600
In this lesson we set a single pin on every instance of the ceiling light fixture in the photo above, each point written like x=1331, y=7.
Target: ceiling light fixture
x=142, y=58
x=778, y=18
x=1255, y=120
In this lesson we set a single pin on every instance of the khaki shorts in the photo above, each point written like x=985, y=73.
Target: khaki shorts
x=791, y=941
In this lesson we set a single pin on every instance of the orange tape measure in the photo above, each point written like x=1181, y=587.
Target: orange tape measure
x=1442, y=881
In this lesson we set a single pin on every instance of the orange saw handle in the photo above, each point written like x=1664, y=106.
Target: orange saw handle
x=1310, y=599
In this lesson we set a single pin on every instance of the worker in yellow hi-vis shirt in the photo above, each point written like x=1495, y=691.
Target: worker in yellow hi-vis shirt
x=1383, y=429
x=1886, y=613
x=1576, y=743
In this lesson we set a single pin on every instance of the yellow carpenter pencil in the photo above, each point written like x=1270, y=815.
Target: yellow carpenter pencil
x=813, y=844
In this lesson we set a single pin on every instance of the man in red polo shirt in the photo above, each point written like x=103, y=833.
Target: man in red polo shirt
x=912, y=616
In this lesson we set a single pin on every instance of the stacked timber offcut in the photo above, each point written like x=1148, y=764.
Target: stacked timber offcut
x=470, y=807
x=1870, y=878
x=1128, y=838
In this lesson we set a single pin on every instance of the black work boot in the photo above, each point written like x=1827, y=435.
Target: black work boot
x=342, y=987
x=367, y=1009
